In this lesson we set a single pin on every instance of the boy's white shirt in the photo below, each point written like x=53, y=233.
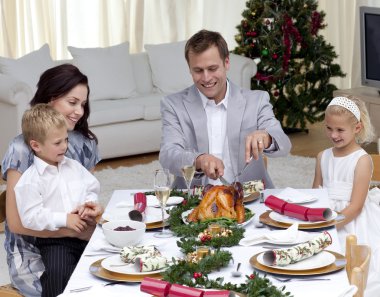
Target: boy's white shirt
x=45, y=194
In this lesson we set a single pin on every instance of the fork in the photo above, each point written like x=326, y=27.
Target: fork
x=241, y=171
x=289, y=279
x=77, y=290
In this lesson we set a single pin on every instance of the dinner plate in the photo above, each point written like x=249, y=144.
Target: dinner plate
x=338, y=264
x=275, y=216
x=185, y=214
x=319, y=260
x=97, y=270
x=266, y=219
x=152, y=214
x=129, y=269
x=251, y=197
x=294, y=196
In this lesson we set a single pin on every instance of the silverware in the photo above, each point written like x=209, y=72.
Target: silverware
x=224, y=181
x=289, y=279
x=77, y=290
x=236, y=273
x=241, y=171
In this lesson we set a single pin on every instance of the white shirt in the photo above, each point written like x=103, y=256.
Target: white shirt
x=45, y=194
x=217, y=133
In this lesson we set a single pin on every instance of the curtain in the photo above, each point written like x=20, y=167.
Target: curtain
x=27, y=24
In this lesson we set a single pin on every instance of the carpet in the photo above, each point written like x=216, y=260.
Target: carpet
x=292, y=171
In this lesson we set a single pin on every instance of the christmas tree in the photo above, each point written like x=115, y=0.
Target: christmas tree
x=295, y=63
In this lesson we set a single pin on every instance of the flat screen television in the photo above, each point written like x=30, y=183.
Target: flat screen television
x=370, y=46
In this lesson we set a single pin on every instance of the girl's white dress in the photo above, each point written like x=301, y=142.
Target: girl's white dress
x=338, y=179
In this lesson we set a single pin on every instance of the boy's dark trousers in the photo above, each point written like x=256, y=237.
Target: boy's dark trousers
x=60, y=257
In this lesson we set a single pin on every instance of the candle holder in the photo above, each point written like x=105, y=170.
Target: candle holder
x=202, y=251
x=214, y=228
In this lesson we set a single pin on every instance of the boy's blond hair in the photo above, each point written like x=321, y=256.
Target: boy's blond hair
x=37, y=121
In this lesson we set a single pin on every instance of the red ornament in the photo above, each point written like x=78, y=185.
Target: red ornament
x=205, y=238
x=252, y=276
x=244, y=23
x=267, y=22
x=274, y=56
x=252, y=45
x=197, y=275
x=276, y=93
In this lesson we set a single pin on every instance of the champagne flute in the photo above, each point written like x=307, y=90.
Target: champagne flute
x=188, y=168
x=162, y=185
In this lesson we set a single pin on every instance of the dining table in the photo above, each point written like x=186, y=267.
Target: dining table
x=332, y=284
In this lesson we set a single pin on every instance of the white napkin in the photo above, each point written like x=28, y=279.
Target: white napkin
x=151, y=200
x=101, y=244
x=349, y=291
x=293, y=196
x=289, y=235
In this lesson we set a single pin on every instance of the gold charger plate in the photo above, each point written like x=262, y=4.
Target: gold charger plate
x=96, y=269
x=267, y=220
x=336, y=266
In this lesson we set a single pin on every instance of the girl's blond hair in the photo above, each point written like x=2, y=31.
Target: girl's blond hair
x=367, y=133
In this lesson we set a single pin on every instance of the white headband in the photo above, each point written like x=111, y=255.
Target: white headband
x=347, y=104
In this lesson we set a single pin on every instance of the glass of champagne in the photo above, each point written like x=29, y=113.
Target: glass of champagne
x=188, y=168
x=162, y=185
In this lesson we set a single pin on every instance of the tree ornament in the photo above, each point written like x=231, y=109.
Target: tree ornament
x=265, y=52
x=274, y=56
x=276, y=93
x=253, y=13
x=244, y=23
x=238, y=37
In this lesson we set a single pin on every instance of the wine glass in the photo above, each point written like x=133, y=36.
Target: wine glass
x=162, y=185
x=188, y=168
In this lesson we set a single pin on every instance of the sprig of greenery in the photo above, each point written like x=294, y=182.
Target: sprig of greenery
x=188, y=245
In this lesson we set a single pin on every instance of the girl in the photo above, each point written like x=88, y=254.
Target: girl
x=66, y=89
x=345, y=170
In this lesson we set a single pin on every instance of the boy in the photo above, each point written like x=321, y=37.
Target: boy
x=54, y=192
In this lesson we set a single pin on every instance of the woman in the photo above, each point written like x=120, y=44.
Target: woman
x=66, y=89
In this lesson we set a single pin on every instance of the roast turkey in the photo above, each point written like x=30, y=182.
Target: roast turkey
x=220, y=201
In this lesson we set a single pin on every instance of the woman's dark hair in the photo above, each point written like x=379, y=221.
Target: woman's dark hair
x=55, y=83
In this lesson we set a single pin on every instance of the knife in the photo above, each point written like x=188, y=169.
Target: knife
x=224, y=181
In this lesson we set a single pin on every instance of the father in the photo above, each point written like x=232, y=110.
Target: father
x=223, y=124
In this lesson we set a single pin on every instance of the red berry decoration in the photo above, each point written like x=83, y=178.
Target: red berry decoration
x=276, y=93
x=274, y=56
x=252, y=276
x=197, y=275
x=254, y=34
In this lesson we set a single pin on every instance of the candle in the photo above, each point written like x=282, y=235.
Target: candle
x=214, y=228
x=202, y=251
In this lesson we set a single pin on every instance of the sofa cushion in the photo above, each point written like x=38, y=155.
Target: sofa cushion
x=107, y=112
x=170, y=71
x=29, y=67
x=108, y=69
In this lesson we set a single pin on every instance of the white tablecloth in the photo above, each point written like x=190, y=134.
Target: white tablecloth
x=338, y=281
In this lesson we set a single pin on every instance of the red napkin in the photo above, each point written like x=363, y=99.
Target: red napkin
x=183, y=291
x=155, y=287
x=298, y=211
x=139, y=202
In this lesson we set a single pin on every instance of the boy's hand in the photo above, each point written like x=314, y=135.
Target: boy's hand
x=90, y=210
x=75, y=222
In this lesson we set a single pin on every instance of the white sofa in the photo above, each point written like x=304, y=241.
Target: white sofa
x=125, y=105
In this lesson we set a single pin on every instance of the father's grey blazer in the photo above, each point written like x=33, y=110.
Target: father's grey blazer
x=184, y=125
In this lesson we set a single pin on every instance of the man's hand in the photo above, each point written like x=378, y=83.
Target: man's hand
x=210, y=165
x=75, y=223
x=255, y=143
